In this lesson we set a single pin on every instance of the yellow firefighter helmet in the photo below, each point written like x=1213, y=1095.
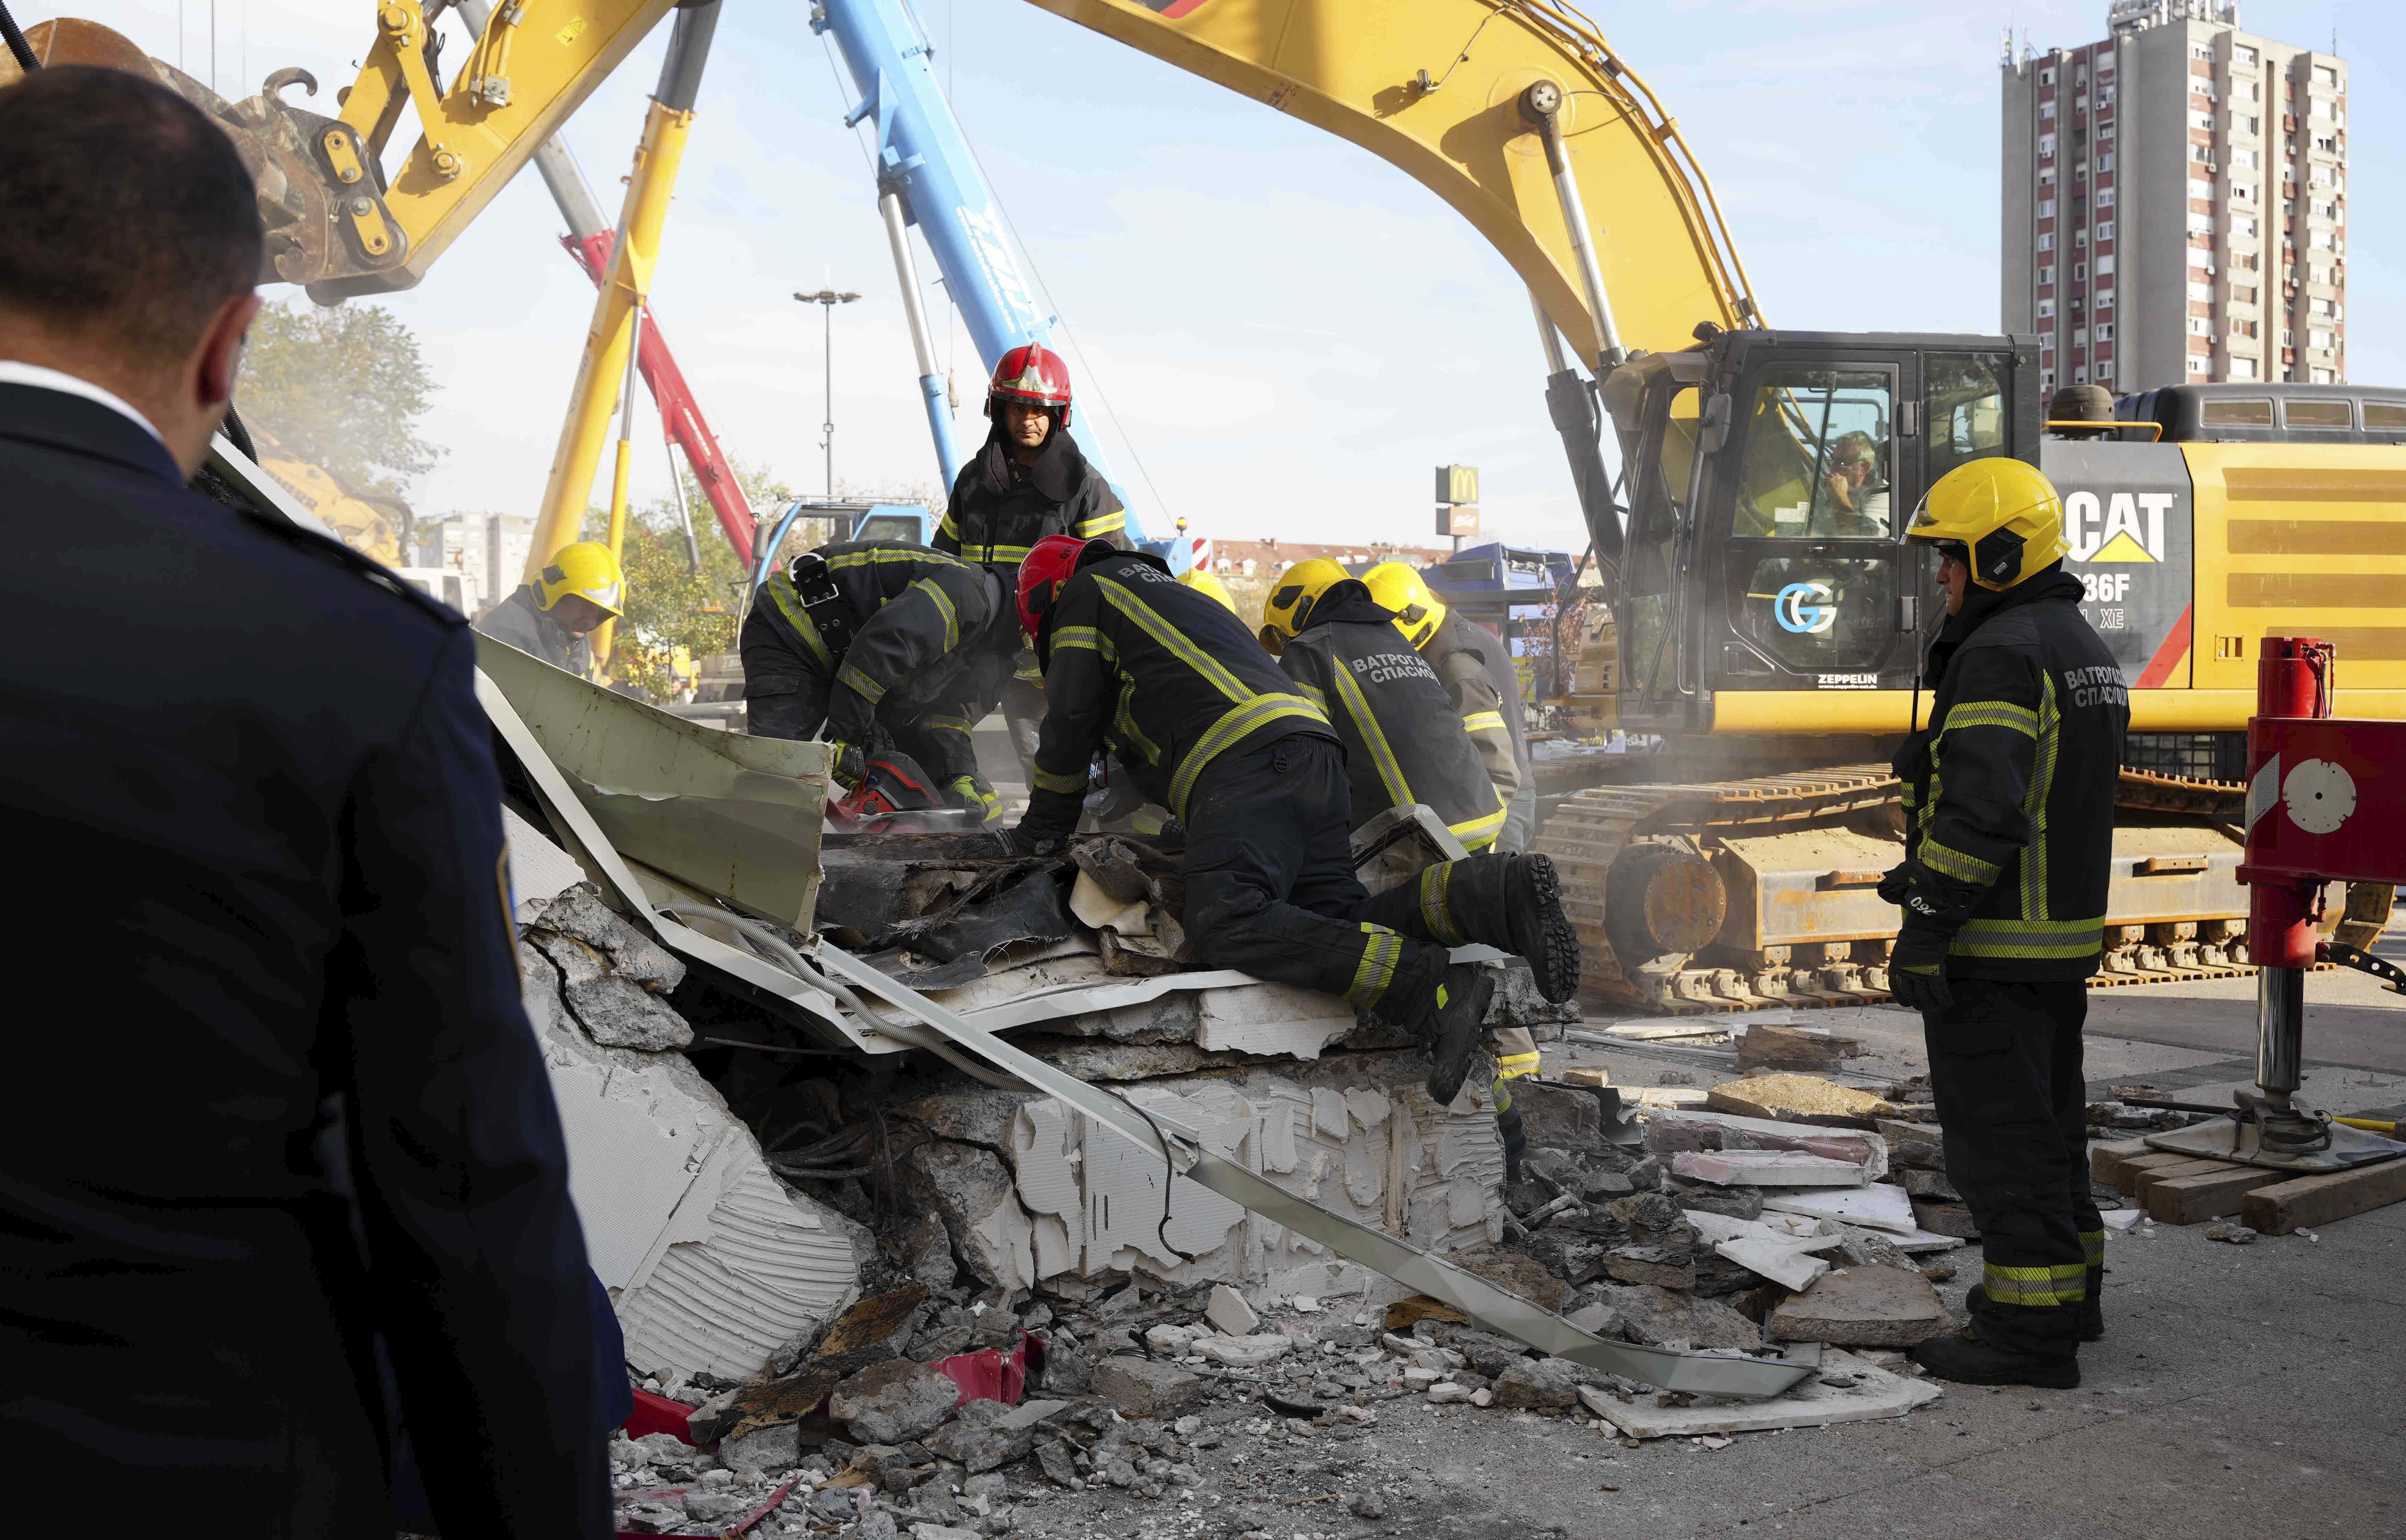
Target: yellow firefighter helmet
x=2007, y=516
x=1293, y=593
x=1398, y=586
x=586, y=570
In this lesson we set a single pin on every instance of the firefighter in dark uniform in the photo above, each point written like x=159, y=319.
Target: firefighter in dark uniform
x=1028, y=481
x=880, y=639
x=1476, y=669
x=2009, y=801
x=314, y=1159
x=1404, y=744
x=1149, y=669
x=552, y=617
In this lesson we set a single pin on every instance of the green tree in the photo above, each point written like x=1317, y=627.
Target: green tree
x=344, y=388
x=668, y=605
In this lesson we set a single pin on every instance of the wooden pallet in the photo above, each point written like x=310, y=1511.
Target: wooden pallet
x=2177, y=1189
x=2301, y=1202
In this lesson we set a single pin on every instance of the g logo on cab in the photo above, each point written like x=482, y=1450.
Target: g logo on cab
x=1795, y=615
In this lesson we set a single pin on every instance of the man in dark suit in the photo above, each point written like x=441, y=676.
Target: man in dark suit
x=278, y=1100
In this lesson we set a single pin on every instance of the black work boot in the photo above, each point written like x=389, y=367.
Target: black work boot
x=1972, y=1357
x=2089, y=1312
x=1453, y=1026
x=1541, y=932
x=1513, y=903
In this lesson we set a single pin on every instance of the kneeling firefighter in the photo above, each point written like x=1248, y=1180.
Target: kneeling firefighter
x=2009, y=804
x=881, y=638
x=1477, y=671
x=552, y=617
x=1146, y=667
x=1406, y=743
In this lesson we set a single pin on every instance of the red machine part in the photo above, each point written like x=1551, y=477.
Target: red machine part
x=678, y=408
x=2326, y=801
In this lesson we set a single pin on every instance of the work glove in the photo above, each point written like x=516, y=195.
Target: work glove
x=1917, y=969
x=848, y=765
x=971, y=792
x=1027, y=841
x=1896, y=882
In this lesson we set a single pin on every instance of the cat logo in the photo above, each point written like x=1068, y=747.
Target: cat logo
x=2126, y=527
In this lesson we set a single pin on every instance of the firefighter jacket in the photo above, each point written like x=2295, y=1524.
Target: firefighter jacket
x=878, y=623
x=999, y=508
x=2009, y=792
x=1160, y=674
x=1476, y=669
x=1404, y=742
x=521, y=621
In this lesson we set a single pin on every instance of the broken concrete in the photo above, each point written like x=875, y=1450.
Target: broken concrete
x=1863, y=1307
x=1848, y=1390
x=1663, y=1318
x=1230, y=1313
x=1670, y=1132
x=1766, y=1168
x=1799, y=1098
x=893, y=1402
x=1141, y=1388
x=1878, y=1205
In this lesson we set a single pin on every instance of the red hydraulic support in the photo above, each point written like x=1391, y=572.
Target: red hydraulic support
x=678, y=409
x=2293, y=681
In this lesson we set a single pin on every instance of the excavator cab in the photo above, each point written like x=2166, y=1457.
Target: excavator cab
x=1762, y=589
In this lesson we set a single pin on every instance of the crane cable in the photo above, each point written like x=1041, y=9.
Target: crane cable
x=17, y=43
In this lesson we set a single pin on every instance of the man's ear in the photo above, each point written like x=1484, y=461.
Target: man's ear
x=220, y=356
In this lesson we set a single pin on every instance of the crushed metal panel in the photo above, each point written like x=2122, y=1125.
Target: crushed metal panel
x=735, y=816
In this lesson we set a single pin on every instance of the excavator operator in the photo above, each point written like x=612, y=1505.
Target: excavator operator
x=880, y=639
x=1028, y=481
x=1141, y=665
x=580, y=587
x=1404, y=743
x=1475, y=667
x=2009, y=800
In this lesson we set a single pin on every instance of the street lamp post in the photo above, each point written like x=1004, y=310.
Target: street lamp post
x=827, y=299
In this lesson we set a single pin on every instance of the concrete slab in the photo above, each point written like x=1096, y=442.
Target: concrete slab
x=1848, y=1389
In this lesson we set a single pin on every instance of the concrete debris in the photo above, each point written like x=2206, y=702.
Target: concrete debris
x=2122, y=1219
x=1250, y=1351
x=1141, y=1388
x=2237, y=1235
x=1848, y=1390
x=1665, y=1318
x=893, y=1402
x=1912, y=1144
x=875, y=1330
x=1799, y=1098
x=1786, y=1265
x=1668, y=1133
x=1770, y=1045
x=1229, y=1314
x=1945, y=1219
x=1879, y=1206
x=1862, y=1306
x=1544, y=1383
x=1927, y=1184
x=1766, y=1168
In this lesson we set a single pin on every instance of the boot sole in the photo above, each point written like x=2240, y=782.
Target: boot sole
x=1553, y=953
x=1482, y=994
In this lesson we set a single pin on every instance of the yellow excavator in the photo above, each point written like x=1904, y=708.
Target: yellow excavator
x=1768, y=624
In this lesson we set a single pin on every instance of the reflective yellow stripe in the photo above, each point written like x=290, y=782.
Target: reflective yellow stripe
x=1124, y=724
x=1259, y=712
x=1317, y=696
x=949, y=528
x=1437, y=906
x=790, y=608
x=1067, y=636
x=2029, y=938
x=860, y=684
x=1047, y=780
x=944, y=606
x=1478, y=833
x=878, y=557
x=1001, y=556
x=1954, y=864
x=1513, y=1065
x=1102, y=524
x=2057, y=1283
x=2050, y=737
x=945, y=724
x=1382, y=754
x=1484, y=722
x=1162, y=631
x=1992, y=713
x=2093, y=1242
x=1381, y=951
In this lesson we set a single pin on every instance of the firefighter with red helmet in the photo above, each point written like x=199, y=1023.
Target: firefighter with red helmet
x=1178, y=690
x=1028, y=481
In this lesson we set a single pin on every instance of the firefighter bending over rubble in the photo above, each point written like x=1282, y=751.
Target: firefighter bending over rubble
x=876, y=640
x=1477, y=669
x=1406, y=742
x=1172, y=682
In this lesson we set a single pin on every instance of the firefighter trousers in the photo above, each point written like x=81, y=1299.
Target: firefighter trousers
x=1270, y=886
x=2006, y=1066
x=935, y=736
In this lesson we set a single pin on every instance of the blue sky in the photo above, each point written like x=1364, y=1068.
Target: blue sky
x=1287, y=331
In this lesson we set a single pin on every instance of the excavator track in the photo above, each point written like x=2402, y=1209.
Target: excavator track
x=1594, y=828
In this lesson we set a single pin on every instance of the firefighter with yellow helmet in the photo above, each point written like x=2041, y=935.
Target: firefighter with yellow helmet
x=2009, y=806
x=1405, y=743
x=576, y=590
x=1476, y=669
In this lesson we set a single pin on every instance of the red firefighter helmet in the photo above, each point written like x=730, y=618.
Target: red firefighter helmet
x=1032, y=374
x=1049, y=564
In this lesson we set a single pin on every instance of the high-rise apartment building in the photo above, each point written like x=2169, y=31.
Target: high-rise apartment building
x=2175, y=202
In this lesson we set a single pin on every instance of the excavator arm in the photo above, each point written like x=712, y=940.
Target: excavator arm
x=1442, y=89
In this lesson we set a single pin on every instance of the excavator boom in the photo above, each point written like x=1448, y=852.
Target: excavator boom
x=1436, y=86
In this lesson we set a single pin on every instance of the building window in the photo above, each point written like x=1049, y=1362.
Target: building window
x=2248, y=125
x=2046, y=308
x=2080, y=240
x=2046, y=208
x=2045, y=110
x=2201, y=50
x=2201, y=326
x=2106, y=231
x=2105, y=161
x=2046, y=241
x=2202, y=119
x=2202, y=155
x=2243, y=369
x=2105, y=96
x=2288, y=337
x=2047, y=144
x=2197, y=366
x=2105, y=330
x=2046, y=77
x=2201, y=192
x=2243, y=56
x=2326, y=77
x=2242, y=158
x=2200, y=224
x=2105, y=197
x=2317, y=337
x=2104, y=373
x=2080, y=374
x=2201, y=292
x=2080, y=336
x=2047, y=275
x=2079, y=272
x=2242, y=224
x=2325, y=377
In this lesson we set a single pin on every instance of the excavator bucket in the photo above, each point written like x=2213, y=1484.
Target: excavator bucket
x=321, y=193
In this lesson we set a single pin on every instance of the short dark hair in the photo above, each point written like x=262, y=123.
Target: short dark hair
x=126, y=215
